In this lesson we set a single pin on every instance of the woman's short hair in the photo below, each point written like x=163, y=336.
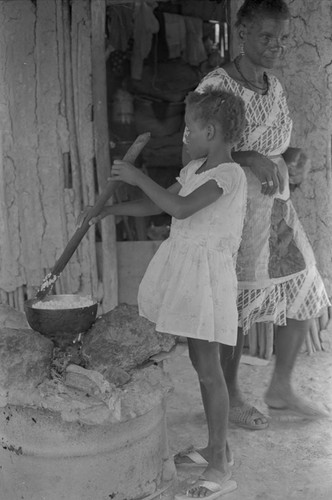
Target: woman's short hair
x=223, y=107
x=253, y=9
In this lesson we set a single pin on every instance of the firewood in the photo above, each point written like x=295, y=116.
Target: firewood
x=269, y=341
x=309, y=344
x=253, y=340
x=261, y=331
x=328, y=325
x=314, y=335
x=323, y=319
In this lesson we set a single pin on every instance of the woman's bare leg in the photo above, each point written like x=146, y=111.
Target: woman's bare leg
x=230, y=360
x=280, y=393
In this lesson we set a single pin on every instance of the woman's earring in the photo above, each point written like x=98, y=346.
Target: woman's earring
x=241, y=49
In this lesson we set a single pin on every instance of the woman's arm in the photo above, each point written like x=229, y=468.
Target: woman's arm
x=264, y=169
x=169, y=201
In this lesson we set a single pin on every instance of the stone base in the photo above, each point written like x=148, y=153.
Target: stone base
x=44, y=458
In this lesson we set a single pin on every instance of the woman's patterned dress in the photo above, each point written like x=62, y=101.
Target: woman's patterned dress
x=276, y=267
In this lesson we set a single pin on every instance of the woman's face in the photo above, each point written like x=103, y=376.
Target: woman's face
x=265, y=40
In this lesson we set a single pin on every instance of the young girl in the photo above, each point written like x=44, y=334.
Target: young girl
x=189, y=288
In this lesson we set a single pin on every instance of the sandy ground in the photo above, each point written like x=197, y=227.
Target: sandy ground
x=291, y=460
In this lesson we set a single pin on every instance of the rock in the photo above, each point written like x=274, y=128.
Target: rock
x=146, y=388
x=25, y=359
x=12, y=318
x=121, y=340
x=89, y=381
x=116, y=375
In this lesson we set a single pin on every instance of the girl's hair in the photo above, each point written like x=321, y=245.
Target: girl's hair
x=220, y=106
x=253, y=9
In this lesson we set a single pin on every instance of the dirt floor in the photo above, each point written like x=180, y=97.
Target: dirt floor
x=291, y=460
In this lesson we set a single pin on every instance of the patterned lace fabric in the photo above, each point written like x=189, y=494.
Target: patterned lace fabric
x=269, y=125
x=300, y=298
x=276, y=267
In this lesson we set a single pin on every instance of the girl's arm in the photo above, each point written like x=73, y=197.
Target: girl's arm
x=136, y=208
x=263, y=168
x=169, y=201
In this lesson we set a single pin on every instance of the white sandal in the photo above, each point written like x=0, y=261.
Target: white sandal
x=216, y=489
x=197, y=460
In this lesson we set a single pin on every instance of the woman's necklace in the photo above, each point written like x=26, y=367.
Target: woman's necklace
x=266, y=81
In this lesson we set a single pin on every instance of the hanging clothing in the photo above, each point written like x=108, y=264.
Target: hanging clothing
x=195, y=52
x=145, y=25
x=175, y=29
x=120, y=26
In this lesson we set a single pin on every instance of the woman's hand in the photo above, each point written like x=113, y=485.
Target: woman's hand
x=124, y=171
x=267, y=173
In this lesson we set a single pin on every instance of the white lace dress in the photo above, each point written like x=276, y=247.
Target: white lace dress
x=190, y=286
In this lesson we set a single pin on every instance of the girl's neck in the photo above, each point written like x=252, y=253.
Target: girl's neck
x=218, y=156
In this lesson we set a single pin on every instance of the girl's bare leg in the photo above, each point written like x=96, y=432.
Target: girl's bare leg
x=205, y=452
x=206, y=361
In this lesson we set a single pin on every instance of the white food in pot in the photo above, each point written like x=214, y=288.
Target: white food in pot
x=64, y=303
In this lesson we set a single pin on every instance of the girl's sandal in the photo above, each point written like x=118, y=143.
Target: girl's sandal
x=215, y=490
x=196, y=459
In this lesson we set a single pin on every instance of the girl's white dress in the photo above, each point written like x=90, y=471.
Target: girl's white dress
x=190, y=286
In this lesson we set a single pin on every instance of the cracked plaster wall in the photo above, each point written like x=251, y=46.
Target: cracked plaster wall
x=306, y=74
x=39, y=200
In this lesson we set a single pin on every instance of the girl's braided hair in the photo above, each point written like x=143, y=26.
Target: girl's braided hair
x=251, y=9
x=225, y=108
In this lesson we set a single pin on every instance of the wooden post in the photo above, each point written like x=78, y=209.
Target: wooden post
x=102, y=154
x=269, y=341
x=261, y=336
x=253, y=337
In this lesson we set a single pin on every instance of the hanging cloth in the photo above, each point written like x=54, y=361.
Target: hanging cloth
x=195, y=52
x=120, y=26
x=145, y=25
x=175, y=34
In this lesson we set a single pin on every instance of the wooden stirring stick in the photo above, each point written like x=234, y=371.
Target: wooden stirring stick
x=73, y=243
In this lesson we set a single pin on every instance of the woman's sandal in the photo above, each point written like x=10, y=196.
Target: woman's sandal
x=245, y=416
x=196, y=459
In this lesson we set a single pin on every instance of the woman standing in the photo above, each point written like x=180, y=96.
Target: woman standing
x=276, y=269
